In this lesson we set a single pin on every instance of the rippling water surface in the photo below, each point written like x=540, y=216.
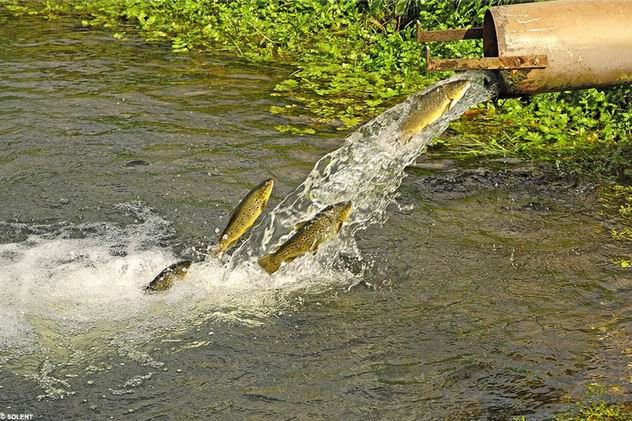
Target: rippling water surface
x=491, y=288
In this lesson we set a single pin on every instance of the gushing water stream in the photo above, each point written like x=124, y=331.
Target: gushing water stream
x=78, y=278
x=366, y=170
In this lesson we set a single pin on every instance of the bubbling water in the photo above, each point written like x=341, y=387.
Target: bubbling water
x=73, y=293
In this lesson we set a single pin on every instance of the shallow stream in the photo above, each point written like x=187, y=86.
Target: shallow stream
x=490, y=290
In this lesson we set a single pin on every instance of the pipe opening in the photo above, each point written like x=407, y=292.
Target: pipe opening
x=490, y=39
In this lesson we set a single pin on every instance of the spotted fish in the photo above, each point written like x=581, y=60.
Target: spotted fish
x=310, y=235
x=432, y=106
x=165, y=279
x=244, y=216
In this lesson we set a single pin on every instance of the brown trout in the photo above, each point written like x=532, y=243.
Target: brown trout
x=310, y=235
x=244, y=216
x=165, y=279
x=432, y=106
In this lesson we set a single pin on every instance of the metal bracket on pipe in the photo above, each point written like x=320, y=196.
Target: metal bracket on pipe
x=486, y=63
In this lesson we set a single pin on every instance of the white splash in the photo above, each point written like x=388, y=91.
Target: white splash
x=69, y=302
x=73, y=294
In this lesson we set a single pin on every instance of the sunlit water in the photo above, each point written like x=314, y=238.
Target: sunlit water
x=490, y=298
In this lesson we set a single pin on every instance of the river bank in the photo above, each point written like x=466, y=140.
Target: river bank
x=349, y=61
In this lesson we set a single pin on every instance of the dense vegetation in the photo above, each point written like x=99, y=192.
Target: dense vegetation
x=601, y=411
x=354, y=58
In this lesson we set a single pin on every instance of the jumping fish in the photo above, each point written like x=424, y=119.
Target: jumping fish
x=244, y=216
x=165, y=279
x=432, y=106
x=310, y=235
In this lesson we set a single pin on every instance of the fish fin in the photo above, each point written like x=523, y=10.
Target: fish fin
x=231, y=215
x=459, y=96
x=263, y=205
x=269, y=263
x=300, y=225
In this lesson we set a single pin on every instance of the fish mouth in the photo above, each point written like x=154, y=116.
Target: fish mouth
x=344, y=208
x=345, y=204
x=268, y=185
x=459, y=89
x=265, y=185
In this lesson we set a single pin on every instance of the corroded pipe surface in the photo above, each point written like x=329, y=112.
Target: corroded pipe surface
x=588, y=43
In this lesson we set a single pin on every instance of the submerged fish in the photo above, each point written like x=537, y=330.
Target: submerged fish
x=244, y=216
x=432, y=106
x=310, y=235
x=165, y=279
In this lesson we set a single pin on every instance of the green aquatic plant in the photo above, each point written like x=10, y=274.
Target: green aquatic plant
x=352, y=59
x=601, y=411
x=592, y=128
x=616, y=201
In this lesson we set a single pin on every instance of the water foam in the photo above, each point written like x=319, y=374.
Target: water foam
x=73, y=294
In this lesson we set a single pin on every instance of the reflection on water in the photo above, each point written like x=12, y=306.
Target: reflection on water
x=488, y=299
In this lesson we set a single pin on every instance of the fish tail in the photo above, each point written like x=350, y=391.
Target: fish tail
x=269, y=263
x=217, y=250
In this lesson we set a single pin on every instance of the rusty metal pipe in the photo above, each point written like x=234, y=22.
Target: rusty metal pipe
x=548, y=46
x=588, y=43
